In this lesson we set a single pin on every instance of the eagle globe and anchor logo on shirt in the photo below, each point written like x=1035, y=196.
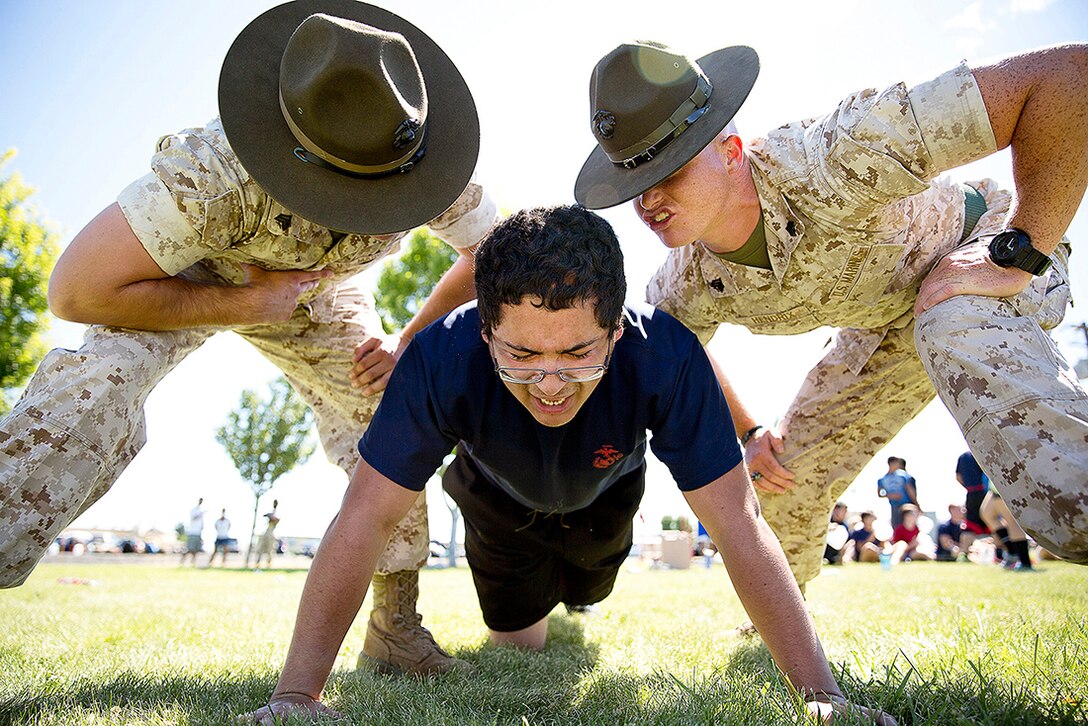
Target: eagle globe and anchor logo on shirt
x=606, y=456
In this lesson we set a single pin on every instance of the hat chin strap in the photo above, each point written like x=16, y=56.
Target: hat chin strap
x=651, y=145
x=338, y=164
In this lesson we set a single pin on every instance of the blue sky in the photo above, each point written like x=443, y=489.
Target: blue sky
x=90, y=85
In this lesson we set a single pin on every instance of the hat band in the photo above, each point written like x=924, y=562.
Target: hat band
x=343, y=164
x=651, y=145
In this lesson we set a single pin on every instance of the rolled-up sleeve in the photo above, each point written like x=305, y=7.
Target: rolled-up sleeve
x=878, y=147
x=189, y=206
x=952, y=118
x=465, y=223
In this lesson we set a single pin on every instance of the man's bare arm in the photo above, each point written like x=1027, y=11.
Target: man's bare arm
x=456, y=287
x=376, y=357
x=729, y=510
x=757, y=567
x=1037, y=103
x=335, y=587
x=762, y=449
x=106, y=277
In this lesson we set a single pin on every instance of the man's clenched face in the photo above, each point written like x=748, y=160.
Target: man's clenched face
x=530, y=337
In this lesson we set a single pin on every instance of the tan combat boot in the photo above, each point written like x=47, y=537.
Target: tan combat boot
x=396, y=643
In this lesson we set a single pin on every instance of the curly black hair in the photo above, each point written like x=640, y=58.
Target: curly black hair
x=558, y=257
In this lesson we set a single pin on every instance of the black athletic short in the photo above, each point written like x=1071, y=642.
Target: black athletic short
x=526, y=562
x=973, y=505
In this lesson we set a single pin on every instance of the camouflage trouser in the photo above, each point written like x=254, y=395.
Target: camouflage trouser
x=834, y=427
x=1018, y=403
x=80, y=421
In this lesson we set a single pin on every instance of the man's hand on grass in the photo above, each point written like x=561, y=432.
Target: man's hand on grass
x=824, y=709
x=282, y=706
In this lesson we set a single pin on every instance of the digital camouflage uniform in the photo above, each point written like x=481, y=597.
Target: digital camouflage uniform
x=200, y=215
x=854, y=221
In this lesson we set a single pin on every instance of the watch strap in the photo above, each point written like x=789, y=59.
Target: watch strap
x=747, y=436
x=1032, y=260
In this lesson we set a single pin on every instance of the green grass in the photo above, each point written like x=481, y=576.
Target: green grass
x=933, y=643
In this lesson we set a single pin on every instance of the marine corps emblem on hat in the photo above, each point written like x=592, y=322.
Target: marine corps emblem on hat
x=349, y=116
x=652, y=110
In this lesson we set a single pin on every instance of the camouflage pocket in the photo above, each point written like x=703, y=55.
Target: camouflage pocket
x=1048, y=296
x=867, y=272
x=217, y=220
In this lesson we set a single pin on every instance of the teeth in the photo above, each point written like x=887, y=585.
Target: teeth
x=556, y=402
x=661, y=216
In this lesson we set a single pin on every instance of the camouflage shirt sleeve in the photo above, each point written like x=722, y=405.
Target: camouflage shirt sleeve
x=879, y=147
x=466, y=222
x=190, y=205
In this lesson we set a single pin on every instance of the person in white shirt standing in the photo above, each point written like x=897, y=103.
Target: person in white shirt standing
x=222, y=539
x=194, y=532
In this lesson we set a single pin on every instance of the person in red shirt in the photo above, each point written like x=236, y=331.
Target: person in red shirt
x=905, y=537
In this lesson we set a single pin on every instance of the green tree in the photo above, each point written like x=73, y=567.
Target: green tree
x=407, y=280
x=266, y=438
x=28, y=251
x=403, y=287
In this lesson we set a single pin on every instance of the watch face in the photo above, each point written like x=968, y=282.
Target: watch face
x=1005, y=246
x=1012, y=248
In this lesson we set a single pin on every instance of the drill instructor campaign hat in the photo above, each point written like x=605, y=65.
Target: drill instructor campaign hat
x=652, y=110
x=349, y=116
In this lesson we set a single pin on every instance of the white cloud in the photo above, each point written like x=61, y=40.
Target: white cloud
x=971, y=18
x=1029, y=6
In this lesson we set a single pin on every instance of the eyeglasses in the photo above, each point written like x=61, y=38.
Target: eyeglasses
x=575, y=374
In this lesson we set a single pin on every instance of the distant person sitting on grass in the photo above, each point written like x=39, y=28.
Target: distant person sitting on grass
x=548, y=388
x=863, y=545
x=838, y=534
x=949, y=535
x=905, y=541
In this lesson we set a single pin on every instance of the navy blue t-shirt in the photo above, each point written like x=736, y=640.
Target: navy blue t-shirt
x=974, y=480
x=861, y=536
x=952, y=530
x=445, y=390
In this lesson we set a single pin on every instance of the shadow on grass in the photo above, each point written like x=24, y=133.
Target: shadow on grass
x=958, y=694
x=501, y=676
x=559, y=685
x=968, y=693
x=133, y=697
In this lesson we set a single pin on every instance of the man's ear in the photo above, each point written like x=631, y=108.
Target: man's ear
x=730, y=149
x=619, y=333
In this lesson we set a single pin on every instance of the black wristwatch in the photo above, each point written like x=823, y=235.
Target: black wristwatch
x=1012, y=248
